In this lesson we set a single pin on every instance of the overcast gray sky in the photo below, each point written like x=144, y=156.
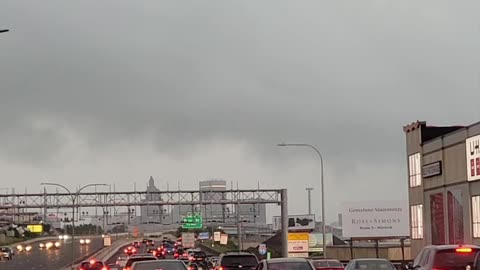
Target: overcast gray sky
x=116, y=91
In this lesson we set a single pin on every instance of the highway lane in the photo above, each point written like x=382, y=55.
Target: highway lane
x=51, y=259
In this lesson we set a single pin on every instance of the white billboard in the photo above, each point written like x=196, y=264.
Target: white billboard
x=374, y=219
x=472, y=150
x=295, y=223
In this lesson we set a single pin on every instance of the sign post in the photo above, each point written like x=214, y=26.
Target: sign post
x=262, y=249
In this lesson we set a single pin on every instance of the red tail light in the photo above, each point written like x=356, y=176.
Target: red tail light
x=104, y=268
x=463, y=250
x=190, y=268
x=220, y=268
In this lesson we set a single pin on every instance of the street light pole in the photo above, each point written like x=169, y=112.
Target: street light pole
x=324, y=243
x=4, y=30
x=309, y=191
x=74, y=197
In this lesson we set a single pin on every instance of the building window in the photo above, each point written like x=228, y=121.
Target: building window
x=416, y=212
x=476, y=216
x=414, y=170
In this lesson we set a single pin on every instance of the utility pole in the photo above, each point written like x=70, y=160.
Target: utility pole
x=309, y=190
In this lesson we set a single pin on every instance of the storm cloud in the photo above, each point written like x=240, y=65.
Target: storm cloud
x=181, y=75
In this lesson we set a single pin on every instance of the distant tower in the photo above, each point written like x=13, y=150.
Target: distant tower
x=152, y=213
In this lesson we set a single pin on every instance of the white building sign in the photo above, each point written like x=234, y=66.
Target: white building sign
x=373, y=219
x=472, y=146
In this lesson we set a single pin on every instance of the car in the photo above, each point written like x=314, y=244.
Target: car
x=169, y=249
x=130, y=250
x=121, y=260
x=236, y=261
x=134, y=259
x=446, y=257
x=6, y=253
x=150, y=242
x=85, y=241
x=285, y=263
x=370, y=263
x=159, y=264
x=49, y=245
x=136, y=244
x=152, y=251
x=144, y=241
x=200, y=258
x=180, y=253
x=93, y=265
x=24, y=248
x=327, y=264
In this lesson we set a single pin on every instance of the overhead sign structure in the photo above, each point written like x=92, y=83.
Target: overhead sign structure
x=194, y=221
x=472, y=149
x=295, y=223
x=375, y=219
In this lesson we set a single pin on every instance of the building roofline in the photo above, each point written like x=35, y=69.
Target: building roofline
x=413, y=126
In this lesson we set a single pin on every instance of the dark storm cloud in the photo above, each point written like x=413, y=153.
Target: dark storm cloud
x=345, y=75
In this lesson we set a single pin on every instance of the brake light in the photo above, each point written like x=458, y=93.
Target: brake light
x=220, y=268
x=190, y=268
x=92, y=261
x=104, y=268
x=463, y=250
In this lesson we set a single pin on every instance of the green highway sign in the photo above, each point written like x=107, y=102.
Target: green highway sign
x=194, y=221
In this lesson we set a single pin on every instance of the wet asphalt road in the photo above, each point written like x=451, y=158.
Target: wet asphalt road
x=52, y=259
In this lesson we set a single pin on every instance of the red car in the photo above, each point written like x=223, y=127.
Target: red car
x=327, y=265
x=93, y=265
x=130, y=250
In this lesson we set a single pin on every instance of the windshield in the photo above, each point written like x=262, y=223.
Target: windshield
x=452, y=260
x=289, y=266
x=239, y=260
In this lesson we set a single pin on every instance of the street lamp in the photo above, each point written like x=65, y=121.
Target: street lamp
x=324, y=243
x=74, y=198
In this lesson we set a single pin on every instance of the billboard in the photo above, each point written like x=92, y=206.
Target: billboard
x=35, y=228
x=216, y=236
x=315, y=241
x=203, y=235
x=372, y=219
x=298, y=242
x=295, y=223
x=472, y=150
x=223, y=239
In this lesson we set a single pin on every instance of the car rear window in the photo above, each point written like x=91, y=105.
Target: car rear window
x=249, y=260
x=373, y=264
x=200, y=254
x=89, y=266
x=289, y=266
x=451, y=259
x=160, y=265
x=138, y=259
x=327, y=264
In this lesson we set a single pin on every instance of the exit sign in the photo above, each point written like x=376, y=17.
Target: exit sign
x=192, y=222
